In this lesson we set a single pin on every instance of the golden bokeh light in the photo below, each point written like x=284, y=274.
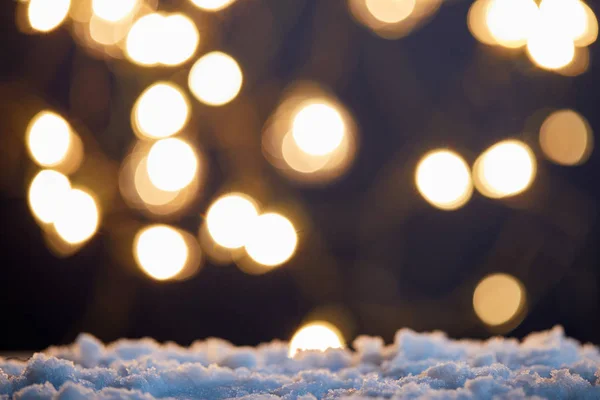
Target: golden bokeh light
x=550, y=50
x=498, y=299
x=477, y=22
x=568, y=18
x=318, y=129
x=150, y=194
x=318, y=335
x=107, y=33
x=444, y=180
x=180, y=39
x=579, y=65
x=142, y=45
x=48, y=139
x=47, y=192
x=114, y=10
x=590, y=34
x=390, y=11
x=510, y=21
x=299, y=160
x=215, y=79
x=161, y=252
x=505, y=169
x=172, y=164
x=566, y=138
x=45, y=15
x=230, y=220
x=78, y=218
x=161, y=111
x=212, y=5
x=272, y=240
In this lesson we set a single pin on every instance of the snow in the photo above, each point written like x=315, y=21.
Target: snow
x=429, y=365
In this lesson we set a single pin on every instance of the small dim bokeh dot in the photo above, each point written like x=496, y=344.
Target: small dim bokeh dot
x=498, y=299
x=161, y=111
x=230, y=219
x=511, y=21
x=318, y=335
x=172, y=164
x=444, y=180
x=47, y=192
x=180, y=39
x=160, y=251
x=215, y=79
x=390, y=11
x=272, y=240
x=78, y=218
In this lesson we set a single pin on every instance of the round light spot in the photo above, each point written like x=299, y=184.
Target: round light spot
x=565, y=138
x=48, y=139
x=444, y=180
x=477, y=22
x=498, y=299
x=47, y=193
x=215, y=79
x=78, y=218
x=113, y=10
x=272, y=240
x=510, y=21
x=390, y=11
x=318, y=129
x=144, y=39
x=180, y=40
x=45, y=15
x=318, y=335
x=161, y=111
x=172, y=164
x=161, y=252
x=230, y=220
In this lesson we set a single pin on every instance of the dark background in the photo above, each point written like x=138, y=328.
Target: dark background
x=374, y=257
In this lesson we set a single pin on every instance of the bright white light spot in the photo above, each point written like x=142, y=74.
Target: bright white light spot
x=318, y=129
x=48, y=138
x=511, y=21
x=567, y=18
x=113, y=10
x=550, y=48
x=212, y=5
x=144, y=40
x=47, y=193
x=498, y=299
x=46, y=15
x=78, y=218
x=161, y=111
x=230, y=220
x=172, y=164
x=160, y=251
x=215, y=79
x=390, y=11
x=505, y=169
x=316, y=336
x=444, y=180
x=180, y=40
x=272, y=241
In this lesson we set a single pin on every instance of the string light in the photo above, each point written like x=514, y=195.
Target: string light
x=498, y=299
x=318, y=335
x=161, y=111
x=47, y=192
x=78, y=218
x=215, y=79
x=230, y=220
x=161, y=252
x=272, y=241
x=44, y=15
x=172, y=164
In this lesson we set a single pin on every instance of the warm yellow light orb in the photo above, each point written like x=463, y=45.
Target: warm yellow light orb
x=505, y=169
x=78, y=218
x=299, y=160
x=48, y=139
x=476, y=20
x=215, y=79
x=272, y=240
x=317, y=335
x=565, y=138
x=511, y=21
x=180, y=40
x=47, y=193
x=144, y=39
x=318, y=129
x=172, y=164
x=390, y=11
x=212, y=5
x=160, y=251
x=230, y=220
x=148, y=193
x=46, y=15
x=567, y=17
x=161, y=111
x=113, y=10
x=498, y=299
x=444, y=180
x=548, y=48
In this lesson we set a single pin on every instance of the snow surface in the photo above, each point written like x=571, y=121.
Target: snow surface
x=415, y=366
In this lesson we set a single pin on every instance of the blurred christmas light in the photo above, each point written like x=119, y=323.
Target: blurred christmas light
x=45, y=15
x=47, y=192
x=272, y=240
x=107, y=33
x=318, y=129
x=212, y=5
x=477, y=22
x=180, y=39
x=230, y=219
x=162, y=110
x=566, y=138
x=78, y=218
x=566, y=17
x=318, y=335
x=150, y=194
x=215, y=79
x=298, y=159
x=550, y=48
x=160, y=251
x=172, y=164
x=579, y=65
x=390, y=11
x=498, y=299
x=590, y=34
x=142, y=43
x=511, y=21
x=48, y=138
x=444, y=180
x=505, y=169
x=114, y=10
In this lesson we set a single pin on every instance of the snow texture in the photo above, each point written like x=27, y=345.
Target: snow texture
x=432, y=366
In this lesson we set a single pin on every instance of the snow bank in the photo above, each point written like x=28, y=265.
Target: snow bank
x=544, y=365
